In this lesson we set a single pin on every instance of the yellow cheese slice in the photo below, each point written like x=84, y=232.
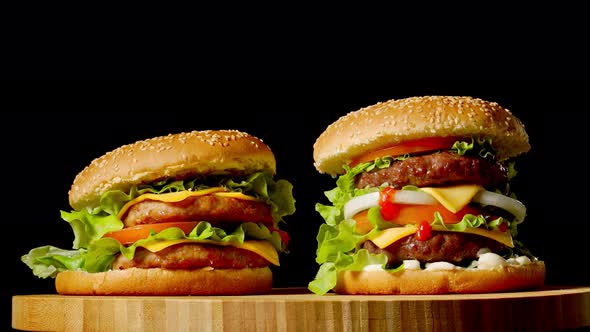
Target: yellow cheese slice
x=453, y=198
x=236, y=195
x=263, y=248
x=391, y=235
x=182, y=195
x=503, y=237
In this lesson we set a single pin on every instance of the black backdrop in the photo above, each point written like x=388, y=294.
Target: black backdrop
x=53, y=130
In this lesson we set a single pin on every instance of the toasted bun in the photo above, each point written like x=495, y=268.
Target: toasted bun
x=135, y=281
x=175, y=155
x=507, y=278
x=395, y=121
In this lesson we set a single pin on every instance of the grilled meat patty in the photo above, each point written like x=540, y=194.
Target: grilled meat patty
x=188, y=256
x=209, y=208
x=437, y=169
x=452, y=247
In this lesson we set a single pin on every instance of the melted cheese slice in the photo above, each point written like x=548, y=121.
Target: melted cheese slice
x=394, y=234
x=182, y=195
x=453, y=198
x=263, y=248
x=236, y=195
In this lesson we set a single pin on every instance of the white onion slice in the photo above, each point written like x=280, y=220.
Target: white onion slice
x=413, y=197
x=360, y=203
x=504, y=202
x=364, y=202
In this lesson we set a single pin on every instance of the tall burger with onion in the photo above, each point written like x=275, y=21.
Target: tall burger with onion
x=195, y=213
x=422, y=203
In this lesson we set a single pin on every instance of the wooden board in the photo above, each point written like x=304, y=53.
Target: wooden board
x=296, y=309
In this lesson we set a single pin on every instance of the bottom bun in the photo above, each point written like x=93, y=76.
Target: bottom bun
x=507, y=278
x=135, y=281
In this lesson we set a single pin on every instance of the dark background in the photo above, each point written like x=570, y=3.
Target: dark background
x=54, y=129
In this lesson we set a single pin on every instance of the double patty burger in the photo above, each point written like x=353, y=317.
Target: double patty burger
x=190, y=213
x=423, y=203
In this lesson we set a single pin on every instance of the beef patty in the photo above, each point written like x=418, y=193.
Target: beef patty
x=192, y=256
x=452, y=247
x=209, y=208
x=437, y=169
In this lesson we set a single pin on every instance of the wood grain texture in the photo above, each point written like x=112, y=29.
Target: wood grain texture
x=295, y=309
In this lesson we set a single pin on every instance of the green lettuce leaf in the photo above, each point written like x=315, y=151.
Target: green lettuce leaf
x=479, y=146
x=90, y=225
x=324, y=280
x=345, y=190
x=93, y=253
x=338, y=246
x=334, y=239
x=327, y=274
x=47, y=261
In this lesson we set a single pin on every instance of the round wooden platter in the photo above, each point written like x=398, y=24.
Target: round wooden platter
x=296, y=309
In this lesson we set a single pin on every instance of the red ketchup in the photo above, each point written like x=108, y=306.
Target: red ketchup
x=390, y=211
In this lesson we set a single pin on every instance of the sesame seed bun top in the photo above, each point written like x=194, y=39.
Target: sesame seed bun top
x=176, y=155
x=396, y=121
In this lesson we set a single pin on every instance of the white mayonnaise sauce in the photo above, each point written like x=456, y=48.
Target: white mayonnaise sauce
x=437, y=266
x=411, y=264
x=490, y=261
x=487, y=260
x=373, y=267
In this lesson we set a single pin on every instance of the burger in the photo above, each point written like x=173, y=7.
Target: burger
x=422, y=203
x=194, y=213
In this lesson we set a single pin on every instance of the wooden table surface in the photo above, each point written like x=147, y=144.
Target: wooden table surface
x=296, y=309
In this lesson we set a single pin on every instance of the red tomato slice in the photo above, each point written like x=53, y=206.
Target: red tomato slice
x=419, y=145
x=415, y=214
x=363, y=225
x=285, y=237
x=132, y=234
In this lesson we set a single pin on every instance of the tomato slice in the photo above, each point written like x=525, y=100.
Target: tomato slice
x=363, y=225
x=285, y=237
x=132, y=234
x=419, y=145
x=415, y=214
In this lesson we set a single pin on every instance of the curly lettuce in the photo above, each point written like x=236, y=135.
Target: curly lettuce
x=94, y=253
x=48, y=261
x=90, y=225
